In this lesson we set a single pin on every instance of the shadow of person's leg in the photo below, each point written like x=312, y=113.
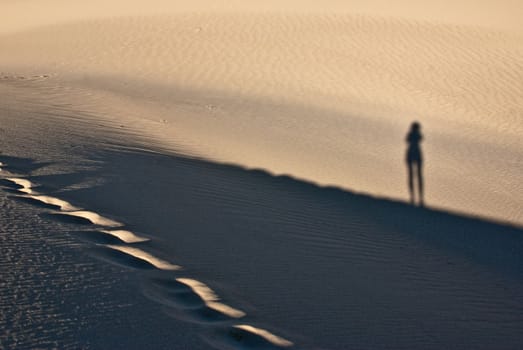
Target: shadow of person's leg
x=420, y=183
x=411, y=181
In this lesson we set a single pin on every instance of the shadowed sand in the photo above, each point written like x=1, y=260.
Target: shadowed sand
x=346, y=256
x=289, y=254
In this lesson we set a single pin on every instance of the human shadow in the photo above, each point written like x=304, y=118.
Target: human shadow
x=414, y=159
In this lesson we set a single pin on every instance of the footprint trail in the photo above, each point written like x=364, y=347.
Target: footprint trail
x=185, y=298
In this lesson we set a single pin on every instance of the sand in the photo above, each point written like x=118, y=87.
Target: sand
x=240, y=89
x=237, y=173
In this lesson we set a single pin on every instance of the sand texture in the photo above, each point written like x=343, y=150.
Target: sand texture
x=196, y=176
x=327, y=98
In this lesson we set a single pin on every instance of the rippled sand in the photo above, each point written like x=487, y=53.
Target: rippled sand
x=142, y=187
x=237, y=258
x=327, y=98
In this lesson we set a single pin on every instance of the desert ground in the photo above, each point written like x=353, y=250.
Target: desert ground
x=233, y=176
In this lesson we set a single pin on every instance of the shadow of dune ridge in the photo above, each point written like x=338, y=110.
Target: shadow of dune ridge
x=481, y=239
x=300, y=252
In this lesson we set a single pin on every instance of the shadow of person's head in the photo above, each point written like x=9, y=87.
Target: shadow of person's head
x=415, y=127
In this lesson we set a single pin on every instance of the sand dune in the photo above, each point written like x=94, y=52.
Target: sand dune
x=491, y=13
x=323, y=97
x=260, y=147
x=310, y=267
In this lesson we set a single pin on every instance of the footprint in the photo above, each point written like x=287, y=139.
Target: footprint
x=85, y=217
x=121, y=259
x=138, y=254
x=241, y=337
x=203, y=315
x=173, y=294
x=33, y=201
x=109, y=236
x=190, y=300
x=170, y=284
x=210, y=298
x=46, y=202
x=97, y=237
x=10, y=184
x=68, y=219
x=70, y=213
x=189, y=293
x=24, y=185
x=126, y=236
